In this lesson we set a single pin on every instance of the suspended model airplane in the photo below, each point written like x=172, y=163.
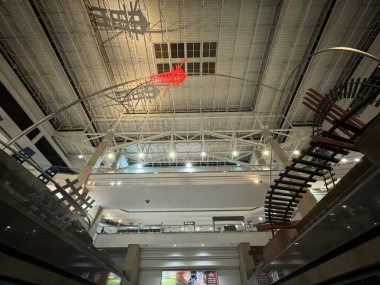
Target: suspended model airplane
x=175, y=77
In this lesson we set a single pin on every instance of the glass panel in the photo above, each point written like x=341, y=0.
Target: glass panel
x=197, y=50
x=161, y=50
x=163, y=67
x=190, y=49
x=193, y=68
x=165, y=52
x=208, y=68
x=177, y=50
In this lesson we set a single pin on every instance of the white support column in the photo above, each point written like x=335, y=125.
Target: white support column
x=96, y=213
x=116, y=161
x=86, y=171
x=276, y=148
x=246, y=261
x=132, y=263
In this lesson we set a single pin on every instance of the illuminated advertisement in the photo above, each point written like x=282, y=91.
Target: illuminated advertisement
x=189, y=278
x=113, y=279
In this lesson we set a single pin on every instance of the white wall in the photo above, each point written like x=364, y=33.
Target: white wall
x=224, y=260
x=153, y=261
x=178, y=191
x=182, y=239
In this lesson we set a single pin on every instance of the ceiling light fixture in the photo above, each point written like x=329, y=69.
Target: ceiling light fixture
x=110, y=155
x=141, y=155
x=235, y=153
x=357, y=159
x=118, y=183
x=203, y=154
x=174, y=245
x=80, y=156
x=296, y=152
x=189, y=164
x=266, y=152
x=261, y=219
x=172, y=154
x=203, y=244
x=344, y=160
x=112, y=183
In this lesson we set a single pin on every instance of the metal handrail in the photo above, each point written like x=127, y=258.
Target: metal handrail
x=70, y=199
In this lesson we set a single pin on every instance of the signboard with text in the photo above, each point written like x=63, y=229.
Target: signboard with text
x=189, y=278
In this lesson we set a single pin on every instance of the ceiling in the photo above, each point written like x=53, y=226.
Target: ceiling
x=64, y=50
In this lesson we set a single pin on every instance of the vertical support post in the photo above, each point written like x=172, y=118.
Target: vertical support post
x=96, y=213
x=86, y=170
x=276, y=147
x=247, y=265
x=116, y=161
x=132, y=263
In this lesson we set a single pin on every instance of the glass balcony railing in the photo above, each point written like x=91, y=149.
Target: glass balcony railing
x=178, y=169
x=162, y=229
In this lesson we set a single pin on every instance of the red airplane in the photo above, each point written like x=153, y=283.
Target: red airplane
x=175, y=77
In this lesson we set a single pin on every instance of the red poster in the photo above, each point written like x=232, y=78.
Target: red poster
x=211, y=278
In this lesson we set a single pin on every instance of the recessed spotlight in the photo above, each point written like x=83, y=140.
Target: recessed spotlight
x=344, y=160
x=7, y=227
x=119, y=221
x=235, y=153
x=174, y=245
x=357, y=159
x=203, y=154
x=118, y=183
x=261, y=219
x=112, y=183
x=266, y=152
x=189, y=164
x=80, y=156
x=296, y=243
x=110, y=155
x=172, y=154
x=344, y=206
x=203, y=244
x=296, y=152
x=257, y=181
x=141, y=155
